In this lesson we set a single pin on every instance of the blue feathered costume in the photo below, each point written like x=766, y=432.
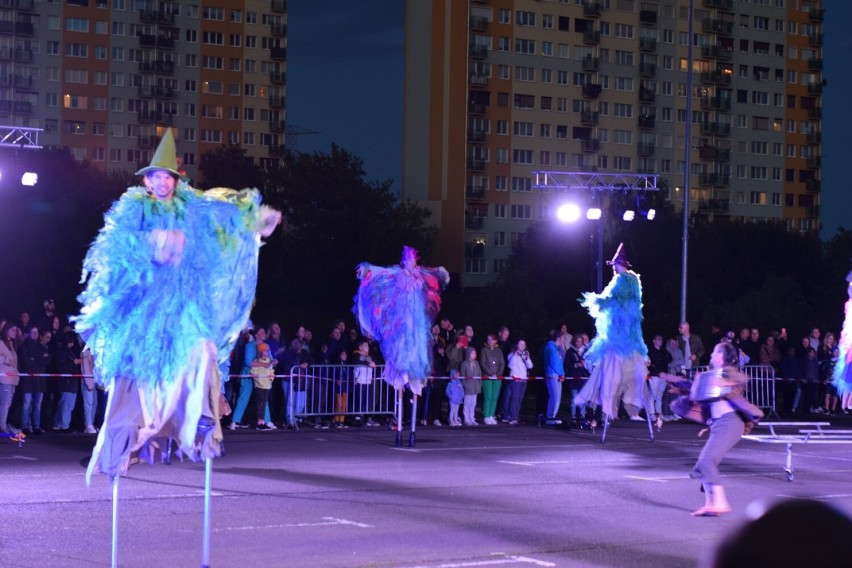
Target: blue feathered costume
x=396, y=306
x=618, y=351
x=159, y=323
x=842, y=377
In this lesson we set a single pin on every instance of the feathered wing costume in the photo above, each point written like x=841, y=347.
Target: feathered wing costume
x=396, y=305
x=843, y=370
x=617, y=350
x=169, y=284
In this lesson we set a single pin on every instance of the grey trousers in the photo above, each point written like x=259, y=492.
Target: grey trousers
x=725, y=432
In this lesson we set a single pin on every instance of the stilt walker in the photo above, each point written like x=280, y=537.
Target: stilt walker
x=618, y=350
x=396, y=305
x=173, y=272
x=842, y=377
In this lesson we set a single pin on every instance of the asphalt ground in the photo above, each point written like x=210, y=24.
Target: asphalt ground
x=483, y=496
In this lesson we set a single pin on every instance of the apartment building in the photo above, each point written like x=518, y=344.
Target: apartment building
x=498, y=89
x=106, y=77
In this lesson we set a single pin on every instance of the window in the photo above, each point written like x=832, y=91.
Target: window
x=623, y=57
x=117, y=53
x=624, y=83
x=212, y=62
x=624, y=31
x=547, y=48
x=212, y=87
x=211, y=13
x=214, y=38
x=523, y=73
x=52, y=47
x=524, y=101
x=499, y=211
x=208, y=135
x=520, y=156
x=76, y=50
x=192, y=36
x=525, y=18
x=76, y=25
x=623, y=110
x=525, y=46
x=521, y=212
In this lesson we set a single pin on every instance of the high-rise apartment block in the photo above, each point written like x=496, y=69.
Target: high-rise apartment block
x=105, y=77
x=498, y=89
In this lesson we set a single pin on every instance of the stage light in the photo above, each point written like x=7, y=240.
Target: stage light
x=651, y=214
x=593, y=214
x=629, y=215
x=568, y=213
x=29, y=179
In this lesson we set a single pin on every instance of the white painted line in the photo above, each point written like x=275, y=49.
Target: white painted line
x=489, y=562
x=833, y=496
x=326, y=522
x=25, y=458
x=657, y=479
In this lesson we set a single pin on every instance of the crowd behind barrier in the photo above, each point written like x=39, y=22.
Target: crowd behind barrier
x=324, y=387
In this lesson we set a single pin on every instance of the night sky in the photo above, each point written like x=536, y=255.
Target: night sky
x=345, y=83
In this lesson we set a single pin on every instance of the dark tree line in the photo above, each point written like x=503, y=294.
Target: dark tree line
x=738, y=275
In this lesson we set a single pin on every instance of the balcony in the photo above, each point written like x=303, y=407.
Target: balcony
x=277, y=77
x=724, y=5
x=147, y=141
x=476, y=51
x=478, y=80
x=815, y=113
x=812, y=211
x=279, y=6
x=156, y=17
x=814, y=88
x=148, y=41
x=816, y=15
x=151, y=117
x=716, y=78
x=814, y=137
x=648, y=17
x=714, y=153
x=24, y=28
x=277, y=150
x=278, y=30
x=478, y=23
x=476, y=108
x=648, y=69
x=647, y=44
x=813, y=185
x=475, y=164
x=716, y=26
x=715, y=129
x=591, y=63
x=715, y=103
x=277, y=126
x=476, y=136
x=24, y=5
x=475, y=191
x=815, y=40
x=813, y=162
x=146, y=92
x=474, y=222
x=647, y=95
x=23, y=55
x=277, y=102
x=717, y=180
x=591, y=37
x=591, y=145
x=716, y=52
x=647, y=121
x=717, y=205
x=7, y=27
x=592, y=90
x=589, y=117
x=474, y=250
x=592, y=9
x=22, y=81
x=278, y=53
x=163, y=92
x=815, y=64
x=646, y=149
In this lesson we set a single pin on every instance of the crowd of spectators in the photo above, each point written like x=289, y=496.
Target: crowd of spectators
x=468, y=387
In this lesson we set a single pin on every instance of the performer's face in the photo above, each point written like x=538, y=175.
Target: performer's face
x=161, y=184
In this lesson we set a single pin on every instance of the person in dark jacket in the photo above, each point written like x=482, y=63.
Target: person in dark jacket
x=67, y=363
x=34, y=359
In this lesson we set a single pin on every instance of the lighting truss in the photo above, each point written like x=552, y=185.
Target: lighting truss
x=594, y=181
x=20, y=137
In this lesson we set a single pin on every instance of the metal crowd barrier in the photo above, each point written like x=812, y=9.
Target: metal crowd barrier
x=760, y=390
x=355, y=391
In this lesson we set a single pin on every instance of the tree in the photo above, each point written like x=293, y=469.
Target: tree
x=229, y=166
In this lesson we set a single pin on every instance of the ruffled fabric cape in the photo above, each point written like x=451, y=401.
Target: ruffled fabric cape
x=396, y=306
x=843, y=370
x=618, y=318
x=157, y=331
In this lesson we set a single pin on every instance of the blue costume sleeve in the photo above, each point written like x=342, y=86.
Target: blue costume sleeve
x=618, y=318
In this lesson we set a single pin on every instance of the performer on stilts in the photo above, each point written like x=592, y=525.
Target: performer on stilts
x=173, y=273
x=843, y=370
x=618, y=351
x=396, y=306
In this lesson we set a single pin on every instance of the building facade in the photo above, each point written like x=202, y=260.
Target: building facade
x=498, y=89
x=106, y=77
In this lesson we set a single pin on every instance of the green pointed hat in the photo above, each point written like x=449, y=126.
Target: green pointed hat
x=165, y=158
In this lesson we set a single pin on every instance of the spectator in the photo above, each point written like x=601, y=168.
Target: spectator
x=88, y=391
x=456, y=353
x=810, y=378
x=8, y=373
x=576, y=373
x=262, y=375
x=769, y=353
x=751, y=346
x=554, y=373
x=295, y=357
x=659, y=359
x=455, y=394
x=519, y=364
x=814, y=337
x=433, y=392
x=471, y=372
x=493, y=366
x=790, y=373
x=364, y=395
x=67, y=363
x=34, y=361
x=691, y=346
